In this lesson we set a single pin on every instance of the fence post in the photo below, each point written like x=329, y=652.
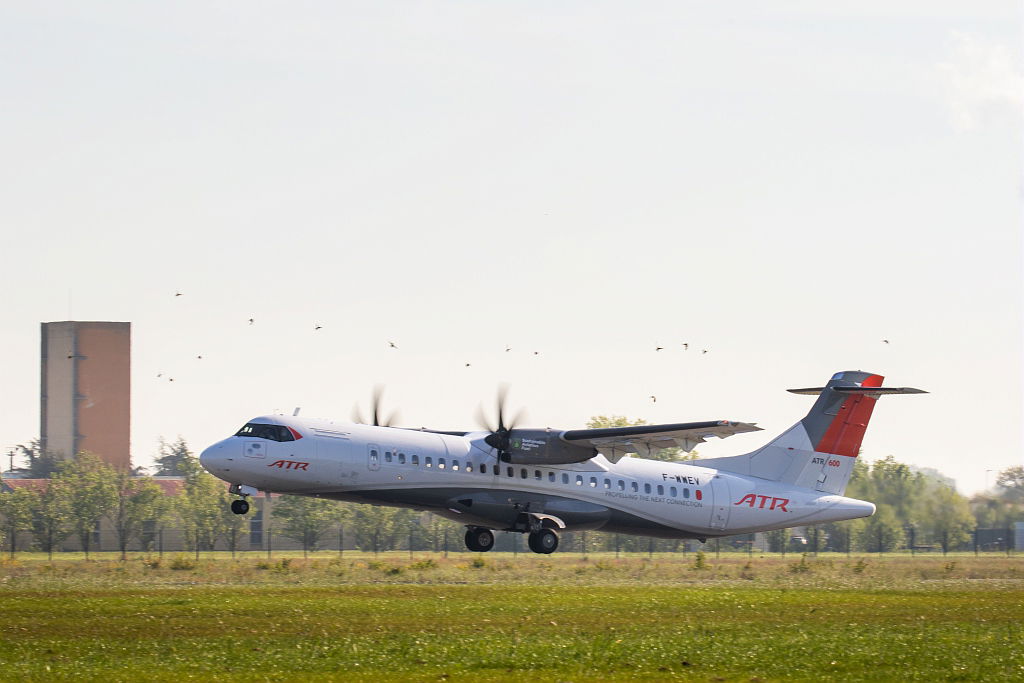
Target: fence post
x=341, y=541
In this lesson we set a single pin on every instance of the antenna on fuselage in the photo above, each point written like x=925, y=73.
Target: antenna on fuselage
x=295, y=413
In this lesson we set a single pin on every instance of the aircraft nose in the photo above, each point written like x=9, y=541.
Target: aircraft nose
x=212, y=458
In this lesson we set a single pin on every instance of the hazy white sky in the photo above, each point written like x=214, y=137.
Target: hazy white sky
x=784, y=186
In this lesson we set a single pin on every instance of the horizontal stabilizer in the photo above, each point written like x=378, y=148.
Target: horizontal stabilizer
x=871, y=391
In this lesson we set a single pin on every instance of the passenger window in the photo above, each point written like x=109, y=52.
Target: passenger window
x=697, y=494
x=579, y=480
x=387, y=456
x=440, y=463
x=672, y=491
x=536, y=475
x=622, y=485
x=428, y=461
x=633, y=487
x=523, y=473
x=469, y=467
x=373, y=454
x=455, y=465
x=565, y=478
x=661, y=490
x=593, y=482
x=483, y=468
x=607, y=483
x=401, y=458
x=415, y=459
x=511, y=471
x=647, y=488
x=686, y=493
x=551, y=477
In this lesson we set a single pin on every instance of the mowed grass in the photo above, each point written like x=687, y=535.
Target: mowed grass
x=559, y=618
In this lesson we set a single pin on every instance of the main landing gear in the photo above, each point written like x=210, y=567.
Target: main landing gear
x=480, y=540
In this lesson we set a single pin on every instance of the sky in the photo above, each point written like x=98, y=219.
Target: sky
x=783, y=185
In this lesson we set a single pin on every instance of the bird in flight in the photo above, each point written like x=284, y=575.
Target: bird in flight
x=467, y=365
x=507, y=348
x=318, y=327
x=251, y=321
x=199, y=357
x=391, y=344
x=686, y=347
x=177, y=294
x=658, y=348
x=536, y=353
x=885, y=341
x=654, y=399
x=159, y=375
x=703, y=351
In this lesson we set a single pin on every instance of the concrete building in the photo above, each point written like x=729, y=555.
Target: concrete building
x=86, y=389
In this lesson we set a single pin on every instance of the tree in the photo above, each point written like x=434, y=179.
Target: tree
x=949, y=520
x=201, y=506
x=778, y=540
x=306, y=519
x=173, y=459
x=18, y=510
x=664, y=454
x=91, y=488
x=50, y=523
x=41, y=464
x=882, y=532
x=139, y=500
x=1010, y=484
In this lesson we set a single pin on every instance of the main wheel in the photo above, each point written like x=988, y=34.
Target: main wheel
x=479, y=540
x=544, y=541
x=240, y=507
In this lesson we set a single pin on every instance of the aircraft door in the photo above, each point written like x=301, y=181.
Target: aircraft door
x=373, y=456
x=720, y=502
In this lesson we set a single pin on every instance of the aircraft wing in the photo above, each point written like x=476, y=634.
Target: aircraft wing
x=615, y=442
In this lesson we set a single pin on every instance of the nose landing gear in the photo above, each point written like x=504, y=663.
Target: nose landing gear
x=240, y=507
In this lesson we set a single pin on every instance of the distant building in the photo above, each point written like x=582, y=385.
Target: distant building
x=86, y=390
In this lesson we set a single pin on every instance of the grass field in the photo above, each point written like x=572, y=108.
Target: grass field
x=472, y=617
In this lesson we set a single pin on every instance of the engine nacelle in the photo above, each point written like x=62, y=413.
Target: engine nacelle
x=543, y=447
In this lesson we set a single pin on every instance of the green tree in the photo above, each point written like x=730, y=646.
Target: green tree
x=882, y=532
x=201, y=507
x=665, y=454
x=18, y=509
x=306, y=519
x=52, y=516
x=949, y=521
x=174, y=458
x=1010, y=484
x=41, y=464
x=778, y=540
x=91, y=488
x=139, y=500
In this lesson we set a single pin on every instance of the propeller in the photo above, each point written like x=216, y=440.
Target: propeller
x=500, y=437
x=357, y=415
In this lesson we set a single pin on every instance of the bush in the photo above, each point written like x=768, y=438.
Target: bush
x=182, y=562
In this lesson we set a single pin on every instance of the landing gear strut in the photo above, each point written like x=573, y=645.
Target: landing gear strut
x=479, y=539
x=240, y=507
x=544, y=541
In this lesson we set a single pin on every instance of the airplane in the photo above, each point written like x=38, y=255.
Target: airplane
x=544, y=481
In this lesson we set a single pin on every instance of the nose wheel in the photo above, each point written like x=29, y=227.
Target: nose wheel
x=240, y=507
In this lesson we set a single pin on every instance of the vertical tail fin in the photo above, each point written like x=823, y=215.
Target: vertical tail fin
x=818, y=452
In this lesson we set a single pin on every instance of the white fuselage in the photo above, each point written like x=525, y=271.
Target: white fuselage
x=460, y=477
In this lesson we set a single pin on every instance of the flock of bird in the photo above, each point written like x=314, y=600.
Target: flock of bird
x=393, y=345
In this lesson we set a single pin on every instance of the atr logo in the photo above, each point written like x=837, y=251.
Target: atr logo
x=751, y=498
x=289, y=465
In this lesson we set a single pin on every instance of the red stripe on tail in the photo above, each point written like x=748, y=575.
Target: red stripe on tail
x=846, y=431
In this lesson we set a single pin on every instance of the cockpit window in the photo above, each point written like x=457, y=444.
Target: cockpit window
x=262, y=431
